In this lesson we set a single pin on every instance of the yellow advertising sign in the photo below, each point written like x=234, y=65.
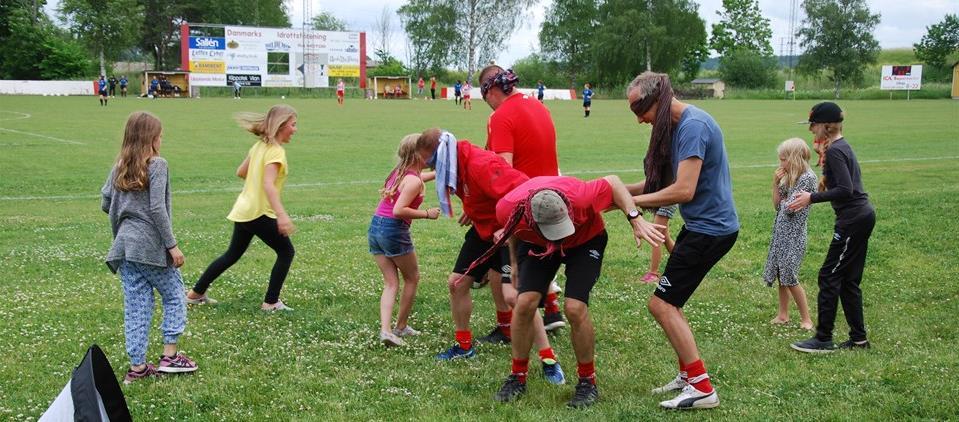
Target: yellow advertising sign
x=343, y=70
x=206, y=66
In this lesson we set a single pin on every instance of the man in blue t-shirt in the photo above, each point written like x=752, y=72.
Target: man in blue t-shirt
x=458, y=91
x=540, y=90
x=123, y=85
x=686, y=164
x=587, y=98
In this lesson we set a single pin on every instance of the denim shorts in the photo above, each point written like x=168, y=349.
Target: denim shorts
x=389, y=236
x=667, y=211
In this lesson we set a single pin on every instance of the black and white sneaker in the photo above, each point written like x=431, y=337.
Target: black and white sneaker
x=511, y=390
x=495, y=337
x=553, y=321
x=852, y=345
x=691, y=398
x=814, y=345
x=585, y=395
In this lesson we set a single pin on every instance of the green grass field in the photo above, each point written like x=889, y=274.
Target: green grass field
x=324, y=362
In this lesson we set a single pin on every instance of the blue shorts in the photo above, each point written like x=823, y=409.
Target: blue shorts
x=667, y=211
x=389, y=236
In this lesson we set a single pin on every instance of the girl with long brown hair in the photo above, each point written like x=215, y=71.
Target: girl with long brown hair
x=144, y=251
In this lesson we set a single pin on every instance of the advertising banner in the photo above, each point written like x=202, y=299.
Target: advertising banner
x=901, y=77
x=276, y=57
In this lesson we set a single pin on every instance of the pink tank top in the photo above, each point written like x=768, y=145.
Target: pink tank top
x=385, y=209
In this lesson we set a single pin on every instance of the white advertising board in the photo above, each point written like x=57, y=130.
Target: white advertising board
x=276, y=57
x=907, y=77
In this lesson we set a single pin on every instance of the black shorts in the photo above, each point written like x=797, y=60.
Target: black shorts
x=539, y=96
x=583, y=265
x=103, y=93
x=473, y=247
x=693, y=256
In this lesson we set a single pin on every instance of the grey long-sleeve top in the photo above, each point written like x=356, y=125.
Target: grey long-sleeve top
x=141, y=220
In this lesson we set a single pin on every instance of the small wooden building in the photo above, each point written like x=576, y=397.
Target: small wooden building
x=715, y=85
x=955, y=81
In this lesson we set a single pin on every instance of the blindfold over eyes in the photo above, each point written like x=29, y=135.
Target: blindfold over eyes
x=641, y=106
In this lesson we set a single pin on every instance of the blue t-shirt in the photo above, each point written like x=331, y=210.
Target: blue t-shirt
x=712, y=211
x=457, y=87
x=102, y=83
x=123, y=81
x=587, y=95
x=541, y=88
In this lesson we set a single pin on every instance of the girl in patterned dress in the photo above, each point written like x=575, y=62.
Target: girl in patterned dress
x=788, y=243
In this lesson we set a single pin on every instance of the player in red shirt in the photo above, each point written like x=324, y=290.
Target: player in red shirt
x=520, y=130
x=480, y=178
x=559, y=221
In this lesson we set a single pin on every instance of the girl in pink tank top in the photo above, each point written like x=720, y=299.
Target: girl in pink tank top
x=390, y=242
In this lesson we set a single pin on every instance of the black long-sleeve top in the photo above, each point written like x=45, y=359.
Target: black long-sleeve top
x=843, y=183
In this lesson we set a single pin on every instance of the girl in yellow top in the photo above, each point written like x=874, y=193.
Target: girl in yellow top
x=258, y=210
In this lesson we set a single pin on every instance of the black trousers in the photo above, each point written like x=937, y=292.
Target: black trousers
x=264, y=228
x=840, y=276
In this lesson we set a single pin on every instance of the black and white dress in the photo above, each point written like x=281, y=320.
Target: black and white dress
x=788, y=244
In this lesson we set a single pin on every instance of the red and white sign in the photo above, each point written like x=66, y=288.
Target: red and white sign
x=907, y=77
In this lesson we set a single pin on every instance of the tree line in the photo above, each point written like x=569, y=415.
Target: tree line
x=601, y=41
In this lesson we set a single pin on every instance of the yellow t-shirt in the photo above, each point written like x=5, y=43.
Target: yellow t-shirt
x=252, y=202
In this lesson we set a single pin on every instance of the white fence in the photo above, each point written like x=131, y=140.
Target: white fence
x=46, y=87
x=548, y=94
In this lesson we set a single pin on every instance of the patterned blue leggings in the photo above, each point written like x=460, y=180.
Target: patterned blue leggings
x=139, y=280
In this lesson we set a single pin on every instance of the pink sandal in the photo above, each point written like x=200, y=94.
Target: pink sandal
x=650, y=277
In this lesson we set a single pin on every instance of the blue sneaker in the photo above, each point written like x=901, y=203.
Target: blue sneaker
x=553, y=372
x=456, y=352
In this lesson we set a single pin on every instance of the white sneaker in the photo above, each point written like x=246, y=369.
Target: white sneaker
x=390, y=339
x=407, y=331
x=554, y=286
x=691, y=398
x=676, y=384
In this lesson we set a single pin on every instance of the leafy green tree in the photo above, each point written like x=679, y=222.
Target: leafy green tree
x=693, y=61
x=63, y=59
x=941, y=40
x=837, y=36
x=389, y=65
x=741, y=26
x=651, y=35
x=567, y=34
x=326, y=21
x=535, y=68
x=106, y=26
x=483, y=27
x=429, y=31
x=746, y=68
x=35, y=48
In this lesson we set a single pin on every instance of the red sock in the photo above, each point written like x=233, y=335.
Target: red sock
x=586, y=370
x=465, y=339
x=552, y=303
x=698, y=377
x=547, y=353
x=520, y=368
x=503, y=320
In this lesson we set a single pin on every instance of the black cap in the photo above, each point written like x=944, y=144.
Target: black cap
x=825, y=112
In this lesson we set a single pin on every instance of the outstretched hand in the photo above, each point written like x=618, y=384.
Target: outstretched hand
x=651, y=233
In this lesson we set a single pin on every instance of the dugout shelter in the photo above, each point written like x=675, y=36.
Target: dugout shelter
x=386, y=87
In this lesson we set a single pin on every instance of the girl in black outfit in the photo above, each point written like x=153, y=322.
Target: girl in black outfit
x=841, y=273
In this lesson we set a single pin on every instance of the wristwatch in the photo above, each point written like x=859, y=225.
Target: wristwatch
x=633, y=214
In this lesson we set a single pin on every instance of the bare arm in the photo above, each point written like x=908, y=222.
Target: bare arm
x=680, y=192
x=242, y=169
x=283, y=222
x=428, y=176
x=776, y=178
x=410, y=188
x=636, y=188
x=642, y=229
x=508, y=156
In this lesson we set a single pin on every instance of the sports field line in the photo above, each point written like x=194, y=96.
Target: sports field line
x=27, y=116
x=378, y=181
x=22, y=115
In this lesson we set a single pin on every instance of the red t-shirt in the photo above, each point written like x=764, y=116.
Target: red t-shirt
x=521, y=125
x=482, y=179
x=588, y=200
x=432, y=83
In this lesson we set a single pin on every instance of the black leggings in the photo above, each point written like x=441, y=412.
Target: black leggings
x=264, y=228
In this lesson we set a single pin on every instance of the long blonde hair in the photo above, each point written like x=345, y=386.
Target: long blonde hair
x=139, y=146
x=795, y=154
x=827, y=133
x=265, y=126
x=406, y=153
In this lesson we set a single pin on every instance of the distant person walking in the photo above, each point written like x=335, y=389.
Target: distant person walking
x=123, y=85
x=102, y=90
x=841, y=273
x=258, y=210
x=467, y=95
x=432, y=87
x=113, y=86
x=144, y=251
x=340, y=92
x=458, y=91
x=587, y=99
x=420, y=84
x=540, y=90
